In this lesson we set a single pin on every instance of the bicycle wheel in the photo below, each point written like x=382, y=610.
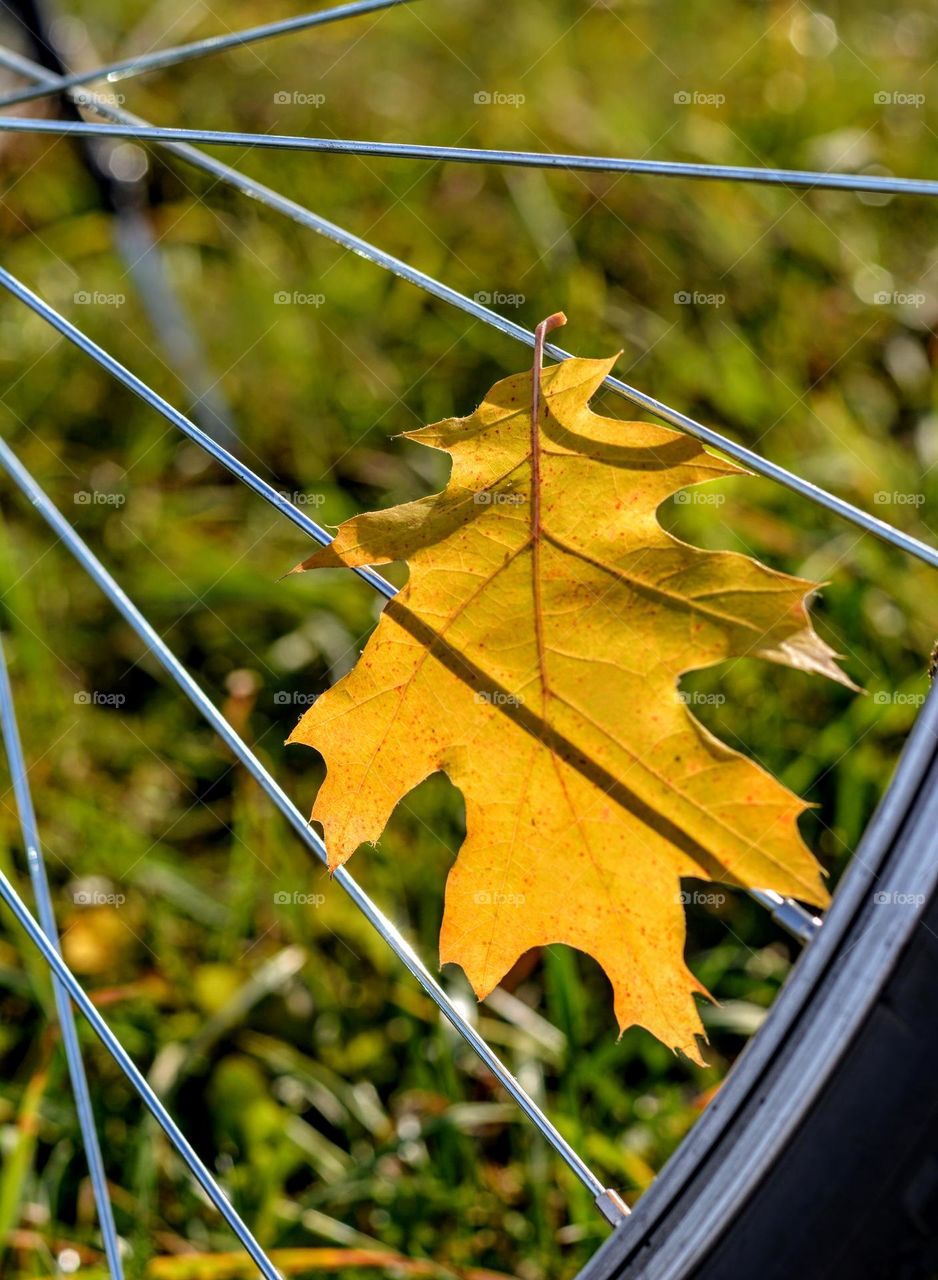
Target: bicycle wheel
x=835, y=1092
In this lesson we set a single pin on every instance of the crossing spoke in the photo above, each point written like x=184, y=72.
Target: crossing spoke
x=40, y=882
x=392, y=936
x=790, y=914
x=445, y=293
x=64, y=975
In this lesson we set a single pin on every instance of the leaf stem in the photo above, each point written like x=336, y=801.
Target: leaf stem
x=540, y=333
x=552, y=322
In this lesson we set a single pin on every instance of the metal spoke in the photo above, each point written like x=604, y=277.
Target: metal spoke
x=200, y=437
x=117, y=1051
x=40, y=882
x=116, y=71
x=348, y=240
x=788, y=913
x=474, y=155
x=395, y=940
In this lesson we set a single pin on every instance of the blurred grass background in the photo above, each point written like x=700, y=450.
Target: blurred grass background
x=347, y=1125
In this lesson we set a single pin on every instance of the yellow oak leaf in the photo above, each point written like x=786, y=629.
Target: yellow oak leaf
x=533, y=657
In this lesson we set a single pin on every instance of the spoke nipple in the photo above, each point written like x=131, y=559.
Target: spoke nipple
x=613, y=1208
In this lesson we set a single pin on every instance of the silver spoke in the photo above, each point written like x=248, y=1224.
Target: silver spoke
x=195, y=433
x=474, y=155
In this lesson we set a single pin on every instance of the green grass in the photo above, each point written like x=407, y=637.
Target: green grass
x=335, y=1108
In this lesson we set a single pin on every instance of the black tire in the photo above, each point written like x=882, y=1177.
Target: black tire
x=818, y=1158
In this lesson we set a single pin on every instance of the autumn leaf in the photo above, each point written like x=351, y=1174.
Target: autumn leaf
x=533, y=657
